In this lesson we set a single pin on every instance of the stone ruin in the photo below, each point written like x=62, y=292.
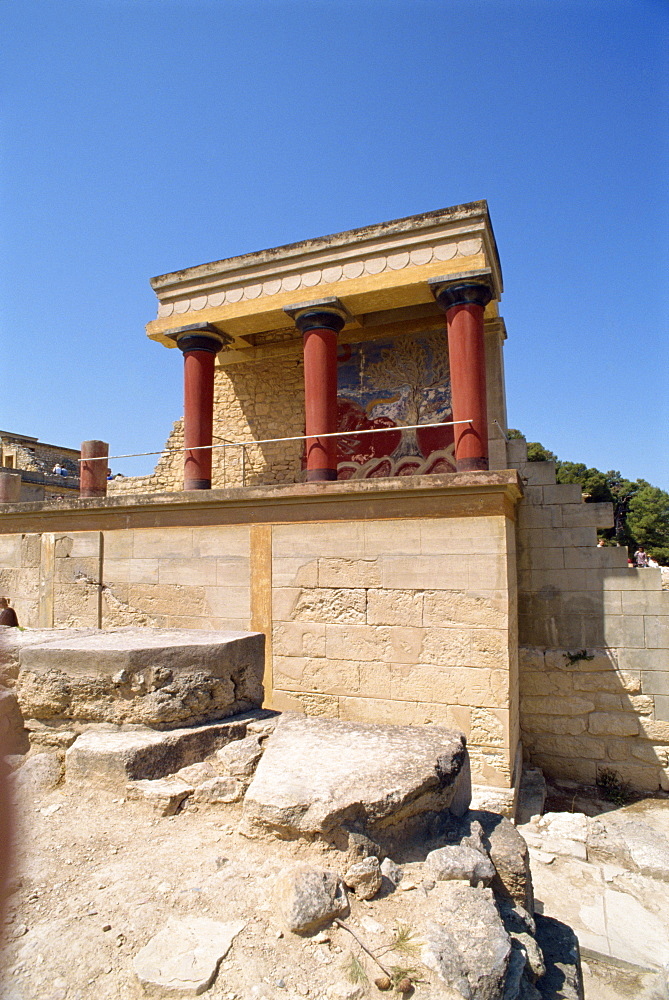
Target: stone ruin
x=174, y=720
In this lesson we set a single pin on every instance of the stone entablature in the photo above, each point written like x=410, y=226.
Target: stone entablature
x=374, y=269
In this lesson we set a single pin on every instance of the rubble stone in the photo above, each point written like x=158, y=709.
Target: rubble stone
x=510, y=856
x=468, y=947
x=308, y=898
x=364, y=878
x=460, y=862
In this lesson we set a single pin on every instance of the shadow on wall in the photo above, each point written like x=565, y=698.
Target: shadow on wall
x=594, y=664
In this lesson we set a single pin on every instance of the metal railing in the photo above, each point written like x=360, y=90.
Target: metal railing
x=243, y=445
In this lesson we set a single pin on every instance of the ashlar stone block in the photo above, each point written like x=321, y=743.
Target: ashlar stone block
x=323, y=604
x=656, y=629
x=394, y=607
x=349, y=573
x=484, y=609
x=299, y=639
x=557, y=706
x=567, y=725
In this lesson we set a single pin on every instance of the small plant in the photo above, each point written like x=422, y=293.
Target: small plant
x=581, y=654
x=612, y=787
x=404, y=940
x=355, y=971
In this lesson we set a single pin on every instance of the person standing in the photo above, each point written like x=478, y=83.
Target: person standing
x=640, y=557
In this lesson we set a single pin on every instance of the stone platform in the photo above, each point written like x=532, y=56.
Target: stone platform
x=163, y=678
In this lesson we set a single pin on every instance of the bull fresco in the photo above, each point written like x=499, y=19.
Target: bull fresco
x=393, y=384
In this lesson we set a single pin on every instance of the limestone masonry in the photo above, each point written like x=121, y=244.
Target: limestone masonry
x=418, y=575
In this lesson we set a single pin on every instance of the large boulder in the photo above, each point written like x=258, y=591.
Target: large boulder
x=322, y=776
x=163, y=678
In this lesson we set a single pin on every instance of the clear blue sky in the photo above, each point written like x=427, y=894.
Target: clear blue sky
x=143, y=136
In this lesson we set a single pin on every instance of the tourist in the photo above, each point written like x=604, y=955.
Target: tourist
x=7, y=614
x=56, y=471
x=640, y=557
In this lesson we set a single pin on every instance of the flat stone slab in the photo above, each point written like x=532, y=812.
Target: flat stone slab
x=182, y=959
x=112, y=757
x=13, y=640
x=156, y=677
x=319, y=775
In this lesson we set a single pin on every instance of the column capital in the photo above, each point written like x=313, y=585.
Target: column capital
x=199, y=337
x=319, y=314
x=470, y=288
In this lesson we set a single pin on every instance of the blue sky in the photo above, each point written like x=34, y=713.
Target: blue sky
x=143, y=136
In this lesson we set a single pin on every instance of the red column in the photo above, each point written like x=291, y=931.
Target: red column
x=93, y=469
x=199, y=350
x=464, y=303
x=319, y=328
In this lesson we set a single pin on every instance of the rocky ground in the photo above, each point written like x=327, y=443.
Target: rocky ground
x=212, y=877
x=114, y=899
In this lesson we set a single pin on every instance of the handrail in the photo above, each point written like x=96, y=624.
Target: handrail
x=298, y=437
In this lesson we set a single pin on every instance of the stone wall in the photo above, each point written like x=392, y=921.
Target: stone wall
x=407, y=619
x=391, y=602
x=408, y=622
x=594, y=662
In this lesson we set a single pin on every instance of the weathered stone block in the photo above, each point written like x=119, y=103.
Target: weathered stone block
x=613, y=724
x=443, y=684
x=421, y=571
x=656, y=628
x=530, y=658
x=394, y=607
x=610, y=680
x=448, y=647
x=298, y=639
x=317, y=675
x=228, y=602
x=111, y=757
x=168, y=543
x=453, y=608
x=317, y=774
x=557, y=706
x=328, y=605
x=655, y=730
x=572, y=726
x=295, y=571
x=349, y=573
x=149, y=676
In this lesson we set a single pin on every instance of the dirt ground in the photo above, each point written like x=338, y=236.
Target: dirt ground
x=97, y=876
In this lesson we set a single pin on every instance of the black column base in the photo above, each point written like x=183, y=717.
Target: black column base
x=471, y=464
x=321, y=475
x=197, y=484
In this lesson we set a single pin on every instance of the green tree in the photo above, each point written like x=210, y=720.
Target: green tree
x=648, y=520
